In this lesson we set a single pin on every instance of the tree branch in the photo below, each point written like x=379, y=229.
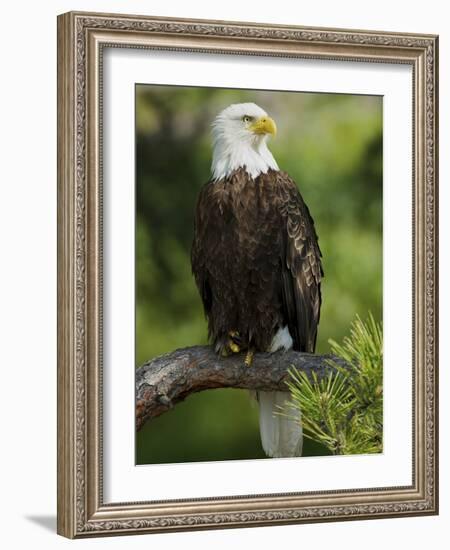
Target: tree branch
x=170, y=378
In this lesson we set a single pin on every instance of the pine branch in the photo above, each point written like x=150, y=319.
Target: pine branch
x=344, y=409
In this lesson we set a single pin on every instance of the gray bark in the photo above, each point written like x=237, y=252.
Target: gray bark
x=166, y=380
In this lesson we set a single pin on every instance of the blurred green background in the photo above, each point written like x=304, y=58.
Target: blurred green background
x=332, y=146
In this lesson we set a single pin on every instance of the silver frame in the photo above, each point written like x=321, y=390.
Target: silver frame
x=81, y=40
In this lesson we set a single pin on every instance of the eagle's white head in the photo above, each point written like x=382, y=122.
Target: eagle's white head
x=240, y=134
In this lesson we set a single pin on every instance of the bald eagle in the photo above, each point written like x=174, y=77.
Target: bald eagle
x=256, y=259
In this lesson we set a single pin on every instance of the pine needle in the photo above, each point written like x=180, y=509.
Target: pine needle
x=344, y=410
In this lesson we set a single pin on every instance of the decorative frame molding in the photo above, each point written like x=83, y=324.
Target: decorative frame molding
x=81, y=38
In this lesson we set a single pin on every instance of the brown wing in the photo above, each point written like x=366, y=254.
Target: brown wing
x=301, y=269
x=198, y=252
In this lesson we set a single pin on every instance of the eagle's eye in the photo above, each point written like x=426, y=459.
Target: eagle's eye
x=246, y=118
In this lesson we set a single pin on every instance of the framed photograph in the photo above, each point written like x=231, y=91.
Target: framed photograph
x=247, y=274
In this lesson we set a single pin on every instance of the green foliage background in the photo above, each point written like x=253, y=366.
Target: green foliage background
x=331, y=145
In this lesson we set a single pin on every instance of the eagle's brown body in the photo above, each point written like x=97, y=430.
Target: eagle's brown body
x=256, y=260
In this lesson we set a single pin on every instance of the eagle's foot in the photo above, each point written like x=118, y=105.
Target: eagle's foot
x=234, y=341
x=249, y=357
x=230, y=344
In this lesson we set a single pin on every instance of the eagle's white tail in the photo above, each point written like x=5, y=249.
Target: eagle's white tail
x=280, y=436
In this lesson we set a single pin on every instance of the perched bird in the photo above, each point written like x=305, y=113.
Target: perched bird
x=256, y=259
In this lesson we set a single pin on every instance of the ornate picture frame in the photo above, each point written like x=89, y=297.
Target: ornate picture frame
x=82, y=39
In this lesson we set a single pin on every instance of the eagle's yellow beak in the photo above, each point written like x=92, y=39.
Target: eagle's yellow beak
x=264, y=125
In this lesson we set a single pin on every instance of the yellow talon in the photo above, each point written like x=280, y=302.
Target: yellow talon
x=233, y=346
x=249, y=358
